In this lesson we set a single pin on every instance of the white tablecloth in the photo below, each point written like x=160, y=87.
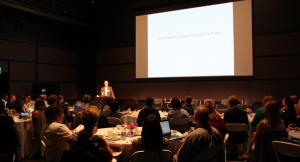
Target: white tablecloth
x=126, y=144
x=293, y=134
x=128, y=119
x=23, y=131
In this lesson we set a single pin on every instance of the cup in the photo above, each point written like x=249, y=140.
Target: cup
x=109, y=133
x=138, y=132
x=115, y=135
x=119, y=126
x=173, y=132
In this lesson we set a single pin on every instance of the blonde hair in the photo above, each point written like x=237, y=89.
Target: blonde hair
x=208, y=101
x=89, y=116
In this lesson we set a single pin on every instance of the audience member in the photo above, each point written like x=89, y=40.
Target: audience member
x=114, y=107
x=11, y=101
x=86, y=100
x=55, y=134
x=290, y=112
x=38, y=116
x=69, y=118
x=87, y=140
x=296, y=104
x=60, y=100
x=177, y=112
x=211, y=102
x=215, y=120
x=19, y=104
x=4, y=99
x=44, y=96
x=131, y=104
x=102, y=121
x=188, y=107
x=29, y=101
x=271, y=122
x=260, y=113
x=152, y=137
x=203, y=137
x=235, y=115
x=52, y=99
x=4, y=119
x=149, y=109
x=105, y=110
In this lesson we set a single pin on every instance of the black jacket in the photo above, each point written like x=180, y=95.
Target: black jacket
x=145, y=112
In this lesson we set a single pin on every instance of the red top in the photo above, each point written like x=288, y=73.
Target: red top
x=219, y=125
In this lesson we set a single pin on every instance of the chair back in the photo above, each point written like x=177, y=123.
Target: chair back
x=8, y=140
x=78, y=156
x=157, y=101
x=114, y=121
x=286, y=148
x=235, y=127
x=249, y=103
x=224, y=145
x=152, y=155
x=208, y=154
x=191, y=117
x=194, y=102
x=78, y=116
x=225, y=102
x=179, y=124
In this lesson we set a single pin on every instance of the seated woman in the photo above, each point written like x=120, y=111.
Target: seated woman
x=114, y=107
x=272, y=122
x=19, y=105
x=38, y=116
x=211, y=102
x=131, y=105
x=55, y=134
x=215, y=120
x=105, y=110
x=102, y=121
x=289, y=112
x=152, y=138
x=87, y=140
x=260, y=115
x=69, y=118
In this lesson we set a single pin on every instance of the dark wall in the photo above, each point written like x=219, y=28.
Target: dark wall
x=276, y=33
x=47, y=51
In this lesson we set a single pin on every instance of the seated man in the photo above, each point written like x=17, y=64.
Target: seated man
x=203, y=137
x=177, y=112
x=149, y=109
x=235, y=115
x=188, y=107
x=86, y=100
x=11, y=101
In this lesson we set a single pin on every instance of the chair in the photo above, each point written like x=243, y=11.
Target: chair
x=9, y=143
x=263, y=150
x=238, y=128
x=152, y=155
x=286, y=148
x=191, y=117
x=223, y=106
x=180, y=125
x=79, y=156
x=208, y=154
x=249, y=103
x=78, y=116
x=224, y=145
x=158, y=101
x=37, y=142
x=114, y=121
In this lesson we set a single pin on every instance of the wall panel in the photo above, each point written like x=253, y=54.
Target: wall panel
x=277, y=88
x=10, y=50
x=219, y=90
x=276, y=44
x=56, y=56
x=19, y=88
x=116, y=73
x=21, y=71
x=56, y=73
x=116, y=56
x=69, y=90
x=162, y=90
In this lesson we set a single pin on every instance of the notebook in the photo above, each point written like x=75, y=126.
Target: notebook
x=165, y=126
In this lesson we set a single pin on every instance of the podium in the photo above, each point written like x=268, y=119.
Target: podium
x=101, y=98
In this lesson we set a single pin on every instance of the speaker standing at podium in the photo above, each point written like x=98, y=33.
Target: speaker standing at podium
x=107, y=90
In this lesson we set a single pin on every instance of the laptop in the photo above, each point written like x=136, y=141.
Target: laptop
x=165, y=126
x=23, y=115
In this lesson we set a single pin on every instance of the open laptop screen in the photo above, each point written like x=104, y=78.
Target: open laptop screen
x=165, y=127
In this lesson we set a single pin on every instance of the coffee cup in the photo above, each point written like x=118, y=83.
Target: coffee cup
x=115, y=135
x=173, y=132
x=138, y=132
x=119, y=126
x=109, y=133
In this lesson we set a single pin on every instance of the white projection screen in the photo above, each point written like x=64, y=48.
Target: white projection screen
x=214, y=40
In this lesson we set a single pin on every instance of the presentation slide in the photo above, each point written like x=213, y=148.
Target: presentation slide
x=195, y=42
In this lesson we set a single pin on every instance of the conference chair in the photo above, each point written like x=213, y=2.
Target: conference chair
x=193, y=103
x=235, y=128
x=78, y=116
x=249, y=104
x=112, y=122
x=223, y=106
x=208, y=154
x=224, y=146
x=37, y=142
x=158, y=101
x=180, y=125
x=152, y=155
x=287, y=149
x=79, y=156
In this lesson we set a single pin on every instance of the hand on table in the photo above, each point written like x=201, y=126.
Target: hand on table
x=292, y=127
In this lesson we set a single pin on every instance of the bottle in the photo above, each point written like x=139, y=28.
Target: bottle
x=123, y=133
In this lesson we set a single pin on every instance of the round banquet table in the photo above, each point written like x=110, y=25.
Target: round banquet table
x=294, y=134
x=126, y=144
x=129, y=118
x=24, y=135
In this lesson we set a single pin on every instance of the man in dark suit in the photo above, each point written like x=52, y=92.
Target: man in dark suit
x=149, y=109
x=11, y=101
x=107, y=90
x=235, y=115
